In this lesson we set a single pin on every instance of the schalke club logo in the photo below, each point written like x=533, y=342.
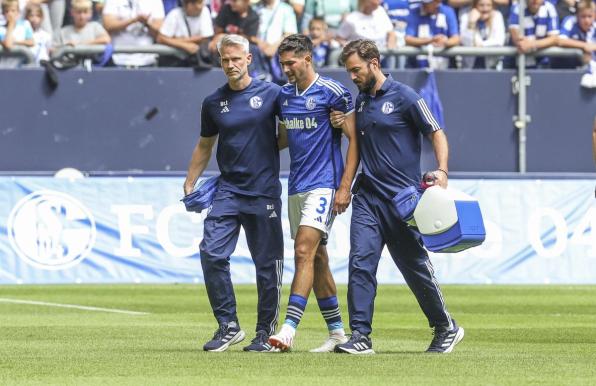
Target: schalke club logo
x=310, y=103
x=51, y=230
x=387, y=108
x=256, y=102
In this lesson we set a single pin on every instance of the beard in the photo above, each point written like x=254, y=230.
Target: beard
x=368, y=84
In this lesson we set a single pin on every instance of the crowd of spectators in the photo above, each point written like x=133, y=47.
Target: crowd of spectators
x=195, y=26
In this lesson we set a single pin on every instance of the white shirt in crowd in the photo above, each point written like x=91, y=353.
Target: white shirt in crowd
x=177, y=24
x=43, y=43
x=135, y=34
x=484, y=35
x=375, y=27
x=276, y=21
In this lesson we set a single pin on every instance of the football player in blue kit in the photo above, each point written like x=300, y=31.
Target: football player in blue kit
x=318, y=185
x=390, y=120
x=242, y=113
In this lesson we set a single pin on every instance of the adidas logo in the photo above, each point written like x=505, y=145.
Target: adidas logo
x=319, y=219
x=273, y=215
x=225, y=110
x=285, y=103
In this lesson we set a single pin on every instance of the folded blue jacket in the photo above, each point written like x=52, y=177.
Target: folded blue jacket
x=405, y=202
x=202, y=195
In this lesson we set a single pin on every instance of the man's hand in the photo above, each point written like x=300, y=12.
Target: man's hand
x=188, y=188
x=440, y=40
x=526, y=45
x=342, y=200
x=337, y=118
x=441, y=178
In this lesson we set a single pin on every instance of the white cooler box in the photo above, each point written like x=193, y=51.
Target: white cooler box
x=449, y=221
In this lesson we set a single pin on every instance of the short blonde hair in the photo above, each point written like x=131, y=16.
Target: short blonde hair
x=9, y=3
x=233, y=40
x=81, y=4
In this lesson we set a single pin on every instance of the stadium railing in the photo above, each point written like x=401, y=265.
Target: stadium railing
x=20, y=52
x=159, y=49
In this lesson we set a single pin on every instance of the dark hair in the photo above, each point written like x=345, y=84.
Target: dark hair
x=298, y=43
x=365, y=49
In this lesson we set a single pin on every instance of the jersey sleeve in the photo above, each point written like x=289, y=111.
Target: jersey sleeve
x=552, y=27
x=413, y=19
x=452, y=27
x=514, y=17
x=342, y=101
x=567, y=26
x=208, y=127
x=419, y=114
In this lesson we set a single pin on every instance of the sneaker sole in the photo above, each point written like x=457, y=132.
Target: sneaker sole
x=278, y=344
x=369, y=351
x=239, y=337
x=458, y=338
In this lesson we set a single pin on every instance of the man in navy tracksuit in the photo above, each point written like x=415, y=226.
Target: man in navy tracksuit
x=242, y=113
x=390, y=118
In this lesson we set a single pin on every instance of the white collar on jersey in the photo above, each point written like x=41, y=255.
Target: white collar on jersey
x=306, y=89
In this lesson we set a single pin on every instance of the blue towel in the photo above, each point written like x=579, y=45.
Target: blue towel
x=202, y=195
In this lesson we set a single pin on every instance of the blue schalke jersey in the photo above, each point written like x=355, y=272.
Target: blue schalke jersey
x=247, y=152
x=389, y=127
x=314, y=144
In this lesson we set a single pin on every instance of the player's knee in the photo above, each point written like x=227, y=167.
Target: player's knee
x=303, y=253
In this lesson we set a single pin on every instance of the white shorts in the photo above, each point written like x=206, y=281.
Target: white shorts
x=313, y=208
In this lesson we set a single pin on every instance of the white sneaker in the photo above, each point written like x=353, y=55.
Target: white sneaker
x=284, y=339
x=331, y=342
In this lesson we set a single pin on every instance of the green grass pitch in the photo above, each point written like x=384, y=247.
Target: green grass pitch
x=515, y=335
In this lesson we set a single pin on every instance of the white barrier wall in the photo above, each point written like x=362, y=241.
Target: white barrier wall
x=111, y=229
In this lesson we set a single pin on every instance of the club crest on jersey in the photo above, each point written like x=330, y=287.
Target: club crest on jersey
x=310, y=103
x=387, y=108
x=256, y=102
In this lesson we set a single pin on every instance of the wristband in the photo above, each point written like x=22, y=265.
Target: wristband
x=446, y=174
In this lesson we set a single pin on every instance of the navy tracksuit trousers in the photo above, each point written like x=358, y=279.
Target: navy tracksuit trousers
x=261, y=219
x=375, y=223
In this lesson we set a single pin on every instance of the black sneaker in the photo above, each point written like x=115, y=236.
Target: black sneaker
x=260, y=343
x=358, y=344
x=445, y=340
x=225, y=336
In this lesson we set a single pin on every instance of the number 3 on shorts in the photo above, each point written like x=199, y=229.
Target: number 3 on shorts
x=321, y=209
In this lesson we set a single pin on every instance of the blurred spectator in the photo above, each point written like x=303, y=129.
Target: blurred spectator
x=371, y=22
x=298, y=6
x=41, y=38
x=236, y=17
x=461, y=6
x=482, y=26
x=317, y=32
x=276, y=21
x=136, y=23
x=216, y=6
x=98, y=9
x=14, y=32
x=565, y=8
x=433, y=23
x=399, y=13
x=541, y=30
x=579, y=32
x=189, y=28
x=333, y=11
x=83, y=31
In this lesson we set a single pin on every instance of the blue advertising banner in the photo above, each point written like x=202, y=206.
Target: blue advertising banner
x=135, y=230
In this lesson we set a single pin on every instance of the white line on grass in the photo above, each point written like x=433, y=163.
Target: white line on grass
x=75, y=306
